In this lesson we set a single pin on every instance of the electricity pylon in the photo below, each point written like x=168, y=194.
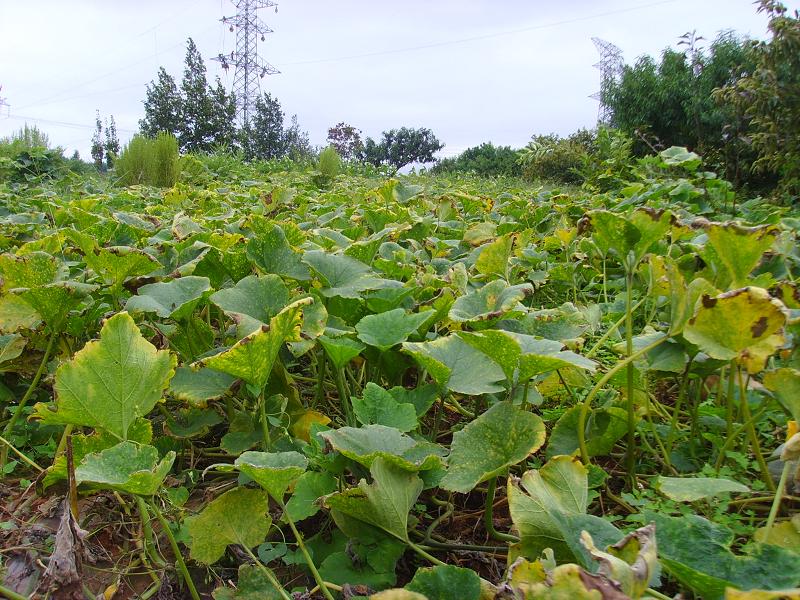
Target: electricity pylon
x=250, y=68
x=610, y=64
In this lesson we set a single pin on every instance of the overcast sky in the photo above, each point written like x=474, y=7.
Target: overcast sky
x=471, y=70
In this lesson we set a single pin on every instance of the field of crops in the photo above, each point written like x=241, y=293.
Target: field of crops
x=262, y=383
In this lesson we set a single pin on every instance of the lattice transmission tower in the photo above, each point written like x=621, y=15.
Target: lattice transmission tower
x=610, y=64
x=249, y=67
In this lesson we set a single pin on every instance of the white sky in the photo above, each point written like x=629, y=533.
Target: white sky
x=471, y=70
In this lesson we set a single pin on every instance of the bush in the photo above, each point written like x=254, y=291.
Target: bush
x=329, y=164
x=551, y=158
x=486, y=160
x=149, y=161
x=26, y=154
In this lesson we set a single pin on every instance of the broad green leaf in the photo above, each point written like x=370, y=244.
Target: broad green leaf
x=126, y=467
x=192, y=422
x=341, y=350
x=140, y=432
x=310, y=487
x=678, y=156
x=632, y=235
x=377, y=406
x=175, y=299
x=344, y=276
x=315, y=319
x=253, y=301
x=732, y=594
x=691, y=489
x=493, y=300
x=737, y=249
x=251, y=584
x=271, y=252
x=273, y=471
x=604, y=427
x=112, y=381
x=238, y=516
x=198, y=387
x=446, y=583
x=548, y=508
x=28, y=271
x=493, y=259
x=500, y=437
x=389, y=328
x=745, y=324
x=117, y=263
x=632, y=562
x=341, y=568
x=385, y=503
x=16, y=314
x=371, y=442
x=524, y=355
x=785, y=384
x=565, y=582
x=785, y=534
x=422, y=397
x=11, y=347
x=697, y=553
x=253, y=357
x=53, y=302
x=457, y=366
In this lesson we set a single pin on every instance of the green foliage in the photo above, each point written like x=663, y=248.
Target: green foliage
x=766, y=96
x=346, y=139
x=486, y=160
x=149, y=161
x=400, y=147
x=162, y=106
x=551, y=158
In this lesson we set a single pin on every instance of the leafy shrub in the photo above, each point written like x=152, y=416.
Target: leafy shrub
x=149, y=161
x=486, y=160
x=27, y=154
x=329, y=162
x=551, y=158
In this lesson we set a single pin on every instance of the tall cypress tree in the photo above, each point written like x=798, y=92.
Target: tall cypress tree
x=265, y=138
x=223, y=116
x=97, y=142
x=195, y=133
x=112, y=142
x=162, y=106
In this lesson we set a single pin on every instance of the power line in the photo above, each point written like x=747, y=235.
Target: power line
x=108, y=74
x=60, y=123
x=475, y=38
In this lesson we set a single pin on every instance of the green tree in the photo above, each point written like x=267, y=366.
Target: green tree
x=346, y=139
x=769, y=98
x=222, y=124
x=162, y=106
x=97, y=142
x=401, y=147
x=669, y=102
x=264, y=138
x=111, y=145
x=296, y=144
x=195, y=132
x=486, y=160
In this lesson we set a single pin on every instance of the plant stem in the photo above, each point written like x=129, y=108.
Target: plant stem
x=10, y=594
x=176, y=551
x=22, y=457
x=729, y=441
x=587, y=402
x=22, y=403
x=630, y=453
x=776, y=502
x=610, y=331
x=147, y=533
x=729, y=416
x=268, y=573
x=344, y=398
x=751, y=430
x=424, y=554
x=488, y=516
x=673, y=424
x=262, y=401
x=322, y=369
x=309, y=562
